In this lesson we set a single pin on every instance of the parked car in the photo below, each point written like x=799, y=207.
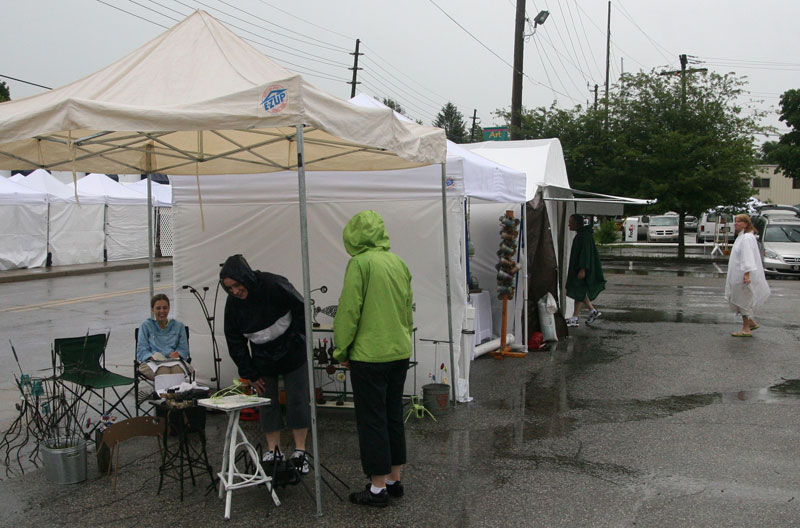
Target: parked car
x=690, y=223
x=663, y=228
x=778, y=229
x=780, y=240
x=711, y=223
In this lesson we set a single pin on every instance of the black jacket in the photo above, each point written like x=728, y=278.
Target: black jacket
x=253, y=325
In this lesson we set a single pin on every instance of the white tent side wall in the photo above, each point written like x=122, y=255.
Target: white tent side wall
x=126, y=232
x=23, y=235
x=76, y=230
x=23, y=238
x=238, y=221
x=76, y=233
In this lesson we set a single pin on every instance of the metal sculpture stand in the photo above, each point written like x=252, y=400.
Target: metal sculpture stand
x=211, y=322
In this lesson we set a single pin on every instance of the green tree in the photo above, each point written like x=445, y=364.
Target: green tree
x=786, y=151
x=690, y=150
x=394, y=105
x=452, y=121
x=5, y=93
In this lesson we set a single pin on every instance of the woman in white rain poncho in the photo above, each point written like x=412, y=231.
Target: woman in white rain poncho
x=746, y=287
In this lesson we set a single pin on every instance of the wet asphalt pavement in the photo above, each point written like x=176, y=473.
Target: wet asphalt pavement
x=653, y=416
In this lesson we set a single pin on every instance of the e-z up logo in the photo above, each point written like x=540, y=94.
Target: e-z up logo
x=274, y=99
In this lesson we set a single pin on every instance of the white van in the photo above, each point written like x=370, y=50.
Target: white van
x=711, y=223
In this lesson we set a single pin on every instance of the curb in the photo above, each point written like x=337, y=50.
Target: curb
x=21, y=275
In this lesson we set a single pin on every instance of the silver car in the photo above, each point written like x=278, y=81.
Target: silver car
x=781, y=243
x=663, y=228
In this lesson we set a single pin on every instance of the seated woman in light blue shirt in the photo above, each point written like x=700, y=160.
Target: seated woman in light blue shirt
x=160, y=340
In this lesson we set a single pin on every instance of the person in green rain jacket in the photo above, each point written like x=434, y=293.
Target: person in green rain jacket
x=585, y=278
x=372, y=332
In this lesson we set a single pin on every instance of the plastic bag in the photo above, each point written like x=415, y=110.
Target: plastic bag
x=546, y=320
x=551, y=305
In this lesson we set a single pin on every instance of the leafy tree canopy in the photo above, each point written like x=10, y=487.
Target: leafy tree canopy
x=5, y=93
x=452, y=121
x=691, y=150
x=786, y=151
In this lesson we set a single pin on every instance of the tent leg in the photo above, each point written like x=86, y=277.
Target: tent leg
x=453, y=377
x=301, y=184
x=149, y=168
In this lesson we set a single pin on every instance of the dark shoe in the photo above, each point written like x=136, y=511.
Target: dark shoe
x=395, y=490
x=367, y=498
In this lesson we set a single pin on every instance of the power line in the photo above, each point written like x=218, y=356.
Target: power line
x=282, y=46
x=26, y=82
x=588, y=44
x=658, y=47
x=132, y=14
x=297, y=68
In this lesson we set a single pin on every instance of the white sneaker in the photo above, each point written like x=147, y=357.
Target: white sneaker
x=593, y=315
x=573, y=321
x=300, y=461
x=269, y=456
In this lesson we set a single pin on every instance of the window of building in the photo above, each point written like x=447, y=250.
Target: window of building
x=796, y=183
x=761, y=183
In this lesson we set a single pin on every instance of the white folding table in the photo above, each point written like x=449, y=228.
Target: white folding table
x=230, y=477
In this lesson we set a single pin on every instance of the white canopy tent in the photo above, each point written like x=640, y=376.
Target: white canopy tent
x=162, y=194
x=199, y=100
x=75, y=231
x=543, y=162
x=23, y=217
x=126, y=216
x=238, y=209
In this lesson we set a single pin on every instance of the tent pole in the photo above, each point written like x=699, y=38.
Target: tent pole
x=453, y=380
x=149, y=169
x=301, y=185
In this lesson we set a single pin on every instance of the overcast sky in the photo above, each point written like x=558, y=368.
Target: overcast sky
x=423, y=53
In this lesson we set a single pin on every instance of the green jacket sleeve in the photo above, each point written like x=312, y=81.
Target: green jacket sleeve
x=348, y=313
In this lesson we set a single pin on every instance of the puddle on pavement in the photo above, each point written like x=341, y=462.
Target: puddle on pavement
x=664, y=273
x=550, y=412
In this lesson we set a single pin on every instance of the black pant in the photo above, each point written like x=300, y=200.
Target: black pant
x=378, y=395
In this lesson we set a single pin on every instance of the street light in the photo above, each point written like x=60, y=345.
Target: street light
x=519, y=45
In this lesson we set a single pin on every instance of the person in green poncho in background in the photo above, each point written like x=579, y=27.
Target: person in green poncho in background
x=585, y=274
x=372, y=330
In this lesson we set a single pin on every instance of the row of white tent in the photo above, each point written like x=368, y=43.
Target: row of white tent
x=94, y=220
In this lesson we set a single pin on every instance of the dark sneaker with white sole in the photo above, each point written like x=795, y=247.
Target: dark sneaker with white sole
x=593, y=315
x=366, y=498
x=573, y=321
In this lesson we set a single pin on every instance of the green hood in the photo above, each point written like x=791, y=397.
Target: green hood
x=365, y=231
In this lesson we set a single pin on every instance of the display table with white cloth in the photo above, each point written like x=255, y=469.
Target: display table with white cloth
x=230, y=477
x=482, y=303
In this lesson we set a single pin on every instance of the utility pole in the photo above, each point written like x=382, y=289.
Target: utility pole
x=516, y=84
x=683, y=72
x=595, y=93
x=474, y=120
x=608, y=55
x=355, y=69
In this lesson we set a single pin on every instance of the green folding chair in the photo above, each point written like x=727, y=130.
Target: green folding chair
x=83, y=375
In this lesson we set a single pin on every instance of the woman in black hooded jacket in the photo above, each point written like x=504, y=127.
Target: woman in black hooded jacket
x=265, y=332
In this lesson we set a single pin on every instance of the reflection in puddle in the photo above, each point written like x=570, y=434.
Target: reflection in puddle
x=555, y=413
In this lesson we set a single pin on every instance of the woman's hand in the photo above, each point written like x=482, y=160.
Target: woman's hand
x=747, y=277
x=581, y=273
x=174, y=354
